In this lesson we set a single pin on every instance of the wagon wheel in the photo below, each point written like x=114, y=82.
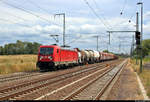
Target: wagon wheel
x=54, y=68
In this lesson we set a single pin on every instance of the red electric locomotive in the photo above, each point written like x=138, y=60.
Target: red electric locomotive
x=52, y=56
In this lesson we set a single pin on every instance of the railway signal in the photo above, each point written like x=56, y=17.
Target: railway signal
x=138, y=37
x=141, y=3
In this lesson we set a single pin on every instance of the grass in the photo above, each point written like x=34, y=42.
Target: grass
x=17, y=63
x=145, y=75
x=146, y=60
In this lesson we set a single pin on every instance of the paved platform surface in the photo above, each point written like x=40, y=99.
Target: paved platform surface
x=127, y=87
x=147, y=66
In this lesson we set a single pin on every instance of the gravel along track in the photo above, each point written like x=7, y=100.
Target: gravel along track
x=35, y=85
x=65, y=90
x=68, y=86
x=17, y=76
x=94, y=89
x=20, y=76
x=12, y=92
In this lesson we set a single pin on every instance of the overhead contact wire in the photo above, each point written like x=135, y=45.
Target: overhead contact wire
x=95, y=13
x=102, y=15
x=1, y=19
x=29, y=12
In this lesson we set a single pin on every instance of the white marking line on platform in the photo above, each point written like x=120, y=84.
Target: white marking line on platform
x=67, y=85
x=142, y=88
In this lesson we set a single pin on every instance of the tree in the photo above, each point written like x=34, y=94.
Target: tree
x=1, y=50
x=106, y=51
x=19, y=48
x=145, y=48
x=35, y=47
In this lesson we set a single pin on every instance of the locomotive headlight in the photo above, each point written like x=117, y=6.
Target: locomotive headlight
x=41, y=57
x=50, y=57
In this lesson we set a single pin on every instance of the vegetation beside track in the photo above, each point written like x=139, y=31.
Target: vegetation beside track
x=17, y=63
x=19, y=48
x=145, y=75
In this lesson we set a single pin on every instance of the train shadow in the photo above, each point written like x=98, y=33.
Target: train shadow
x=58, y=68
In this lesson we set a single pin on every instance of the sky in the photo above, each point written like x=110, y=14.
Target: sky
x=34, y=21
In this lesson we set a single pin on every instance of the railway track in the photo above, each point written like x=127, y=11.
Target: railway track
x=95, y=92
x=34, y=85
x=18, y=76
x=58, y=92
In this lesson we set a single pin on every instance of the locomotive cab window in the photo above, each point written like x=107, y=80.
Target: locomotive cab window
x=46, y=51
x=57, y=50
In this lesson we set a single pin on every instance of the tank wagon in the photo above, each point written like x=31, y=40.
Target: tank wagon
x=84, y=56
x=96, y=56
x=90, y=55
x=53, y=56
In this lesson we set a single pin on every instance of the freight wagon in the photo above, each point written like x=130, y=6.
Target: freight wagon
x=53, y=56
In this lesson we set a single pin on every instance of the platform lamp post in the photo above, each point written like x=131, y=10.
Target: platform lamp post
x=140, y=3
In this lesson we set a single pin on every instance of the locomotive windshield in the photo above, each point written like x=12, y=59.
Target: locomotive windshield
x=46, y=51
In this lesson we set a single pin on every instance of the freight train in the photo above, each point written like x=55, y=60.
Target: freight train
x=53, y=56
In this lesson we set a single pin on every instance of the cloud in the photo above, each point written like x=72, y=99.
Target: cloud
x=80, y=21
x=146, y=16
x=146, y=28
x=84, y=27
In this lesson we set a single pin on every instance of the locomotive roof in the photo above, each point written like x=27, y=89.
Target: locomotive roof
x=56, y=46
x=49, y=46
